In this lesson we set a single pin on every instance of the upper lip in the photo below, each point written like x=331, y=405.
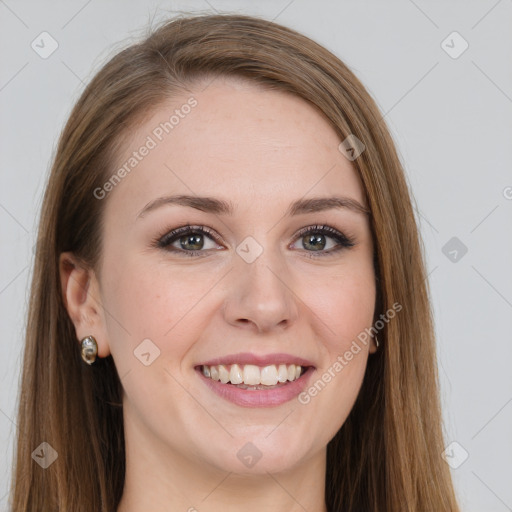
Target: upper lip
x=258, y=360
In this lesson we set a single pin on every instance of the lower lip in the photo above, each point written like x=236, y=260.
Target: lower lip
x=258, y=397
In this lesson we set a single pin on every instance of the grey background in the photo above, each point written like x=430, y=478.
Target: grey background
x=451, y=120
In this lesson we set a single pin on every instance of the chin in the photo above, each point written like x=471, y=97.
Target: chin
x=260, y=454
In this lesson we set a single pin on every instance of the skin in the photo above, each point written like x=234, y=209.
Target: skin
x=262, y=150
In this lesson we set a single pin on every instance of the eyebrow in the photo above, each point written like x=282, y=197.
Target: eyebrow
x=221, y=207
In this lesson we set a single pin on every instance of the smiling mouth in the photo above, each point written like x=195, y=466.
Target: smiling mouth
x=253, y=377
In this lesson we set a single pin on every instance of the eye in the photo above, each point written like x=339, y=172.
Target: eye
x=193, y=240
x=315, y=239
x=187, y=240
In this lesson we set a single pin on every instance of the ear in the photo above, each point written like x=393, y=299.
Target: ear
x=80, y=292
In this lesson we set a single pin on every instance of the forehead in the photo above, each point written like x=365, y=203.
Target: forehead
x=237, y=140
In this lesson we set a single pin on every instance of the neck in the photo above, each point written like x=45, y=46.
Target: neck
x=160, y=478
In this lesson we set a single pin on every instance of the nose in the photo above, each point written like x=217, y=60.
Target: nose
x=260, y=296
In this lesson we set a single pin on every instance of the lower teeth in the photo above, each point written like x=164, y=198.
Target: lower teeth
x=259, y=386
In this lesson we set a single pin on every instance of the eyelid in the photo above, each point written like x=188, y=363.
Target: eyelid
x=344, y=241
x=328, y=230
x=164, y=241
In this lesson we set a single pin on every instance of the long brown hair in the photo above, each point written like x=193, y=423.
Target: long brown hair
x=387, y=455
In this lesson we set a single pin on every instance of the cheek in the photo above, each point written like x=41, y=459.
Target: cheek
x=169, y=305
x=345, y=305
x=172, y=307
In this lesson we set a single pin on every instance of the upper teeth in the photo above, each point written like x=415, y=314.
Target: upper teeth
x=253, y=375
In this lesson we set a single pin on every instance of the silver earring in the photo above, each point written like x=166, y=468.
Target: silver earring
x=377, y=342
x=89, y=349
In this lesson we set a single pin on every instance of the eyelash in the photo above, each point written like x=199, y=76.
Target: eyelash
x=164, y=242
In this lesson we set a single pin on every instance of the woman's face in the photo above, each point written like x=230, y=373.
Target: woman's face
x=252, y=291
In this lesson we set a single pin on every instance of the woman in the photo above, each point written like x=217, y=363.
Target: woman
x=229, y=304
